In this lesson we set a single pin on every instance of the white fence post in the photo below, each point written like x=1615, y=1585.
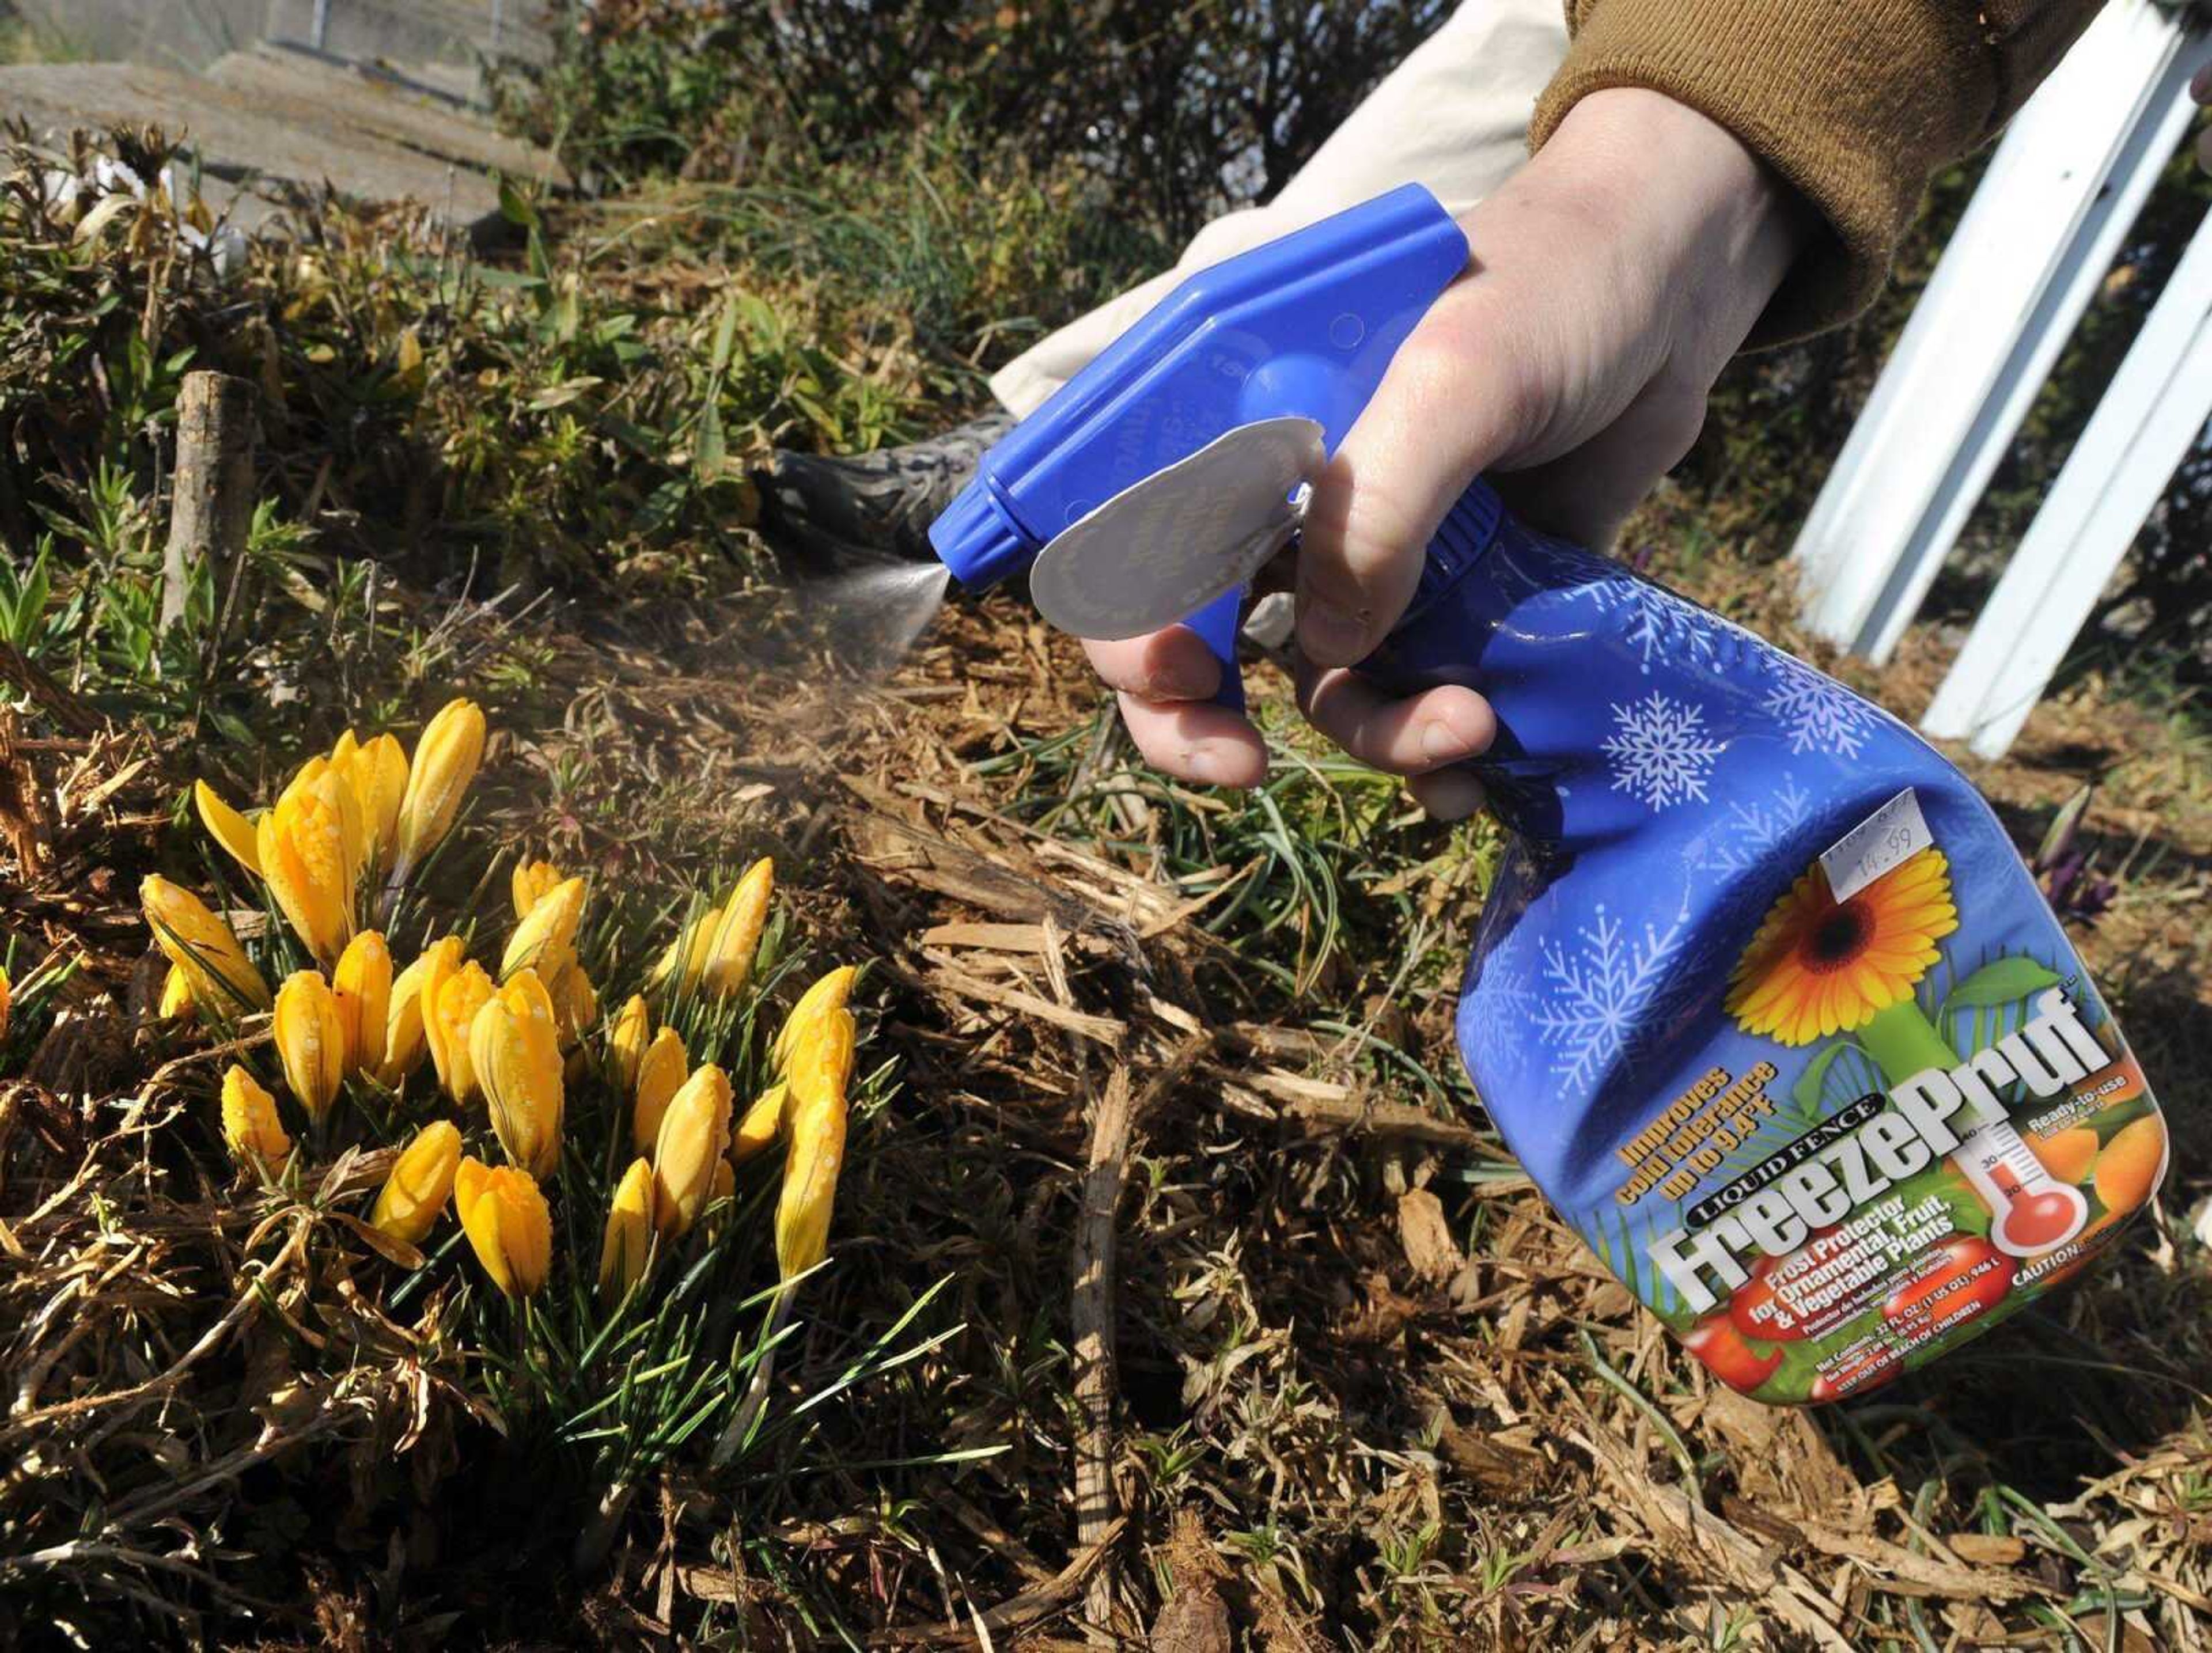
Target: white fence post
x=2143, y=428
x=2060, y=192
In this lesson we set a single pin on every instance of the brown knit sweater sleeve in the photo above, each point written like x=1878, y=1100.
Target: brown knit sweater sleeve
x=1855, y=102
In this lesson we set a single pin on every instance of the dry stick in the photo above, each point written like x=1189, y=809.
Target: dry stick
x=1015, y=1612
x=1092, y=1313
x=212, y=507
x=208, y=1341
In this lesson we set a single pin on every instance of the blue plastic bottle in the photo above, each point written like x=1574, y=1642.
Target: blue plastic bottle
x=1764, y=998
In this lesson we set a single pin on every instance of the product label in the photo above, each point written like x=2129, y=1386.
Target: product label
x=1911, y=1136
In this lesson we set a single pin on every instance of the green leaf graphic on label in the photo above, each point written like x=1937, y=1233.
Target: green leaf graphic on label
x=1807, y=1091
x=2005, y=982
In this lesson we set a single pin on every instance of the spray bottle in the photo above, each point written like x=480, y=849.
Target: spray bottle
x=1763, y=998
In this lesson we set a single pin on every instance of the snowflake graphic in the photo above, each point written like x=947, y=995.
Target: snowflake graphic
x=1606, y=993
x=1817, y=712
x=1751, y=830
x=1661, y=750
x=1652, y=620
x=1500, y=1007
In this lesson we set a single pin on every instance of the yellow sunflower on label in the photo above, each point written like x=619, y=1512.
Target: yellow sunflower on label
x=1819, y=967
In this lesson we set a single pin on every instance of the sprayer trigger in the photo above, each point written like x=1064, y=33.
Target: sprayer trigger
x=1169, y=545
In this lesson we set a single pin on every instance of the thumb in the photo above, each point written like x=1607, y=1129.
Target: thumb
x=1446, y=409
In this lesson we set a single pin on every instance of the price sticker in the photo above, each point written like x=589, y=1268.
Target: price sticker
x=1887, y=839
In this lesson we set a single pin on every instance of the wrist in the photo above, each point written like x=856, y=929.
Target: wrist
x=1696, y=209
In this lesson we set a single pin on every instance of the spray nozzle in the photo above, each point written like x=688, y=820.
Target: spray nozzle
x=1273, y=354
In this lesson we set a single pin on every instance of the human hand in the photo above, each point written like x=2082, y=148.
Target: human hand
x=1612, y=279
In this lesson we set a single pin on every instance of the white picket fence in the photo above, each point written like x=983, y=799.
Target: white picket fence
x=2060, y=192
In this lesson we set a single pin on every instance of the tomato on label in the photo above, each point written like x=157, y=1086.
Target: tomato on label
x=1967, y=1275
x=1715, y=1341
x=1755, y=1310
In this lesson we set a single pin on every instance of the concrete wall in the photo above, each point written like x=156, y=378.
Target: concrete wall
x=171, y=34
x=190, y=34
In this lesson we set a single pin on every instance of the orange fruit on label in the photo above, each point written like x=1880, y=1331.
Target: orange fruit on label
x=2068, y=1154
x=2129, y=1167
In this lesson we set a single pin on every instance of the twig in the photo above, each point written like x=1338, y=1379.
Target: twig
x=211, y=510
x=1091, y=1312
x=208, y=1341
x=1015, y=1612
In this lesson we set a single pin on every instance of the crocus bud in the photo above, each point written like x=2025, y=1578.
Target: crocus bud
x=379, y=774
x=311, y=1041
x=310, y=858
x=629, y=1242
x=685, y=961
x=827, y=994
x=626, y=1042
x=529, y=884
x=736, y=935
x=249, y=1125
x=452, y=996
x=405, y=1043
x=420, y=1182
x=362, y=982
x=7, y=999
x=821, y=1068
x=176, y=996
x=762, y=1123
x=576, y=1002
x=507, y=1223
x=201, y=944
x=660, y=1074
x=545, y=940
x=810, y=1186
x=227, y=827
x=694, y=1135
x=444, y=764
x=516, y=1051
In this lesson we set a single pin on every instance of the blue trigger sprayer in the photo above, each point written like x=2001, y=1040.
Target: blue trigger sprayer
x=1762, y=996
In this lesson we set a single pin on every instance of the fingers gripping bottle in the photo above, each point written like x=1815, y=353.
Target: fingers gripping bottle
x=1763, y=997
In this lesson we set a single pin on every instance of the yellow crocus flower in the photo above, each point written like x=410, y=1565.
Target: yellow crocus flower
x=438, y=778
x=310, y=857
x=508, y=1225
x=515, y=1050
x=7, y=1000
x=227, y=827
x=828, y=993
x=576, y=1002
x=545, y=939
x=452, y=996
x=249, y=1125
x=223, y=979
x=379, y=774
x=685, y=961
x=420, y=1182
x=736, y=935
x=762, y=1124
x=660, y=1074
x=822, y=1064
x=809, y=1185
x=362, y=982
x=694, y=1137
x=406, y=1044
x=310, y=1042
x=628, y=1246
x=529, y=883
x=176, y=996
x=626, y=1042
